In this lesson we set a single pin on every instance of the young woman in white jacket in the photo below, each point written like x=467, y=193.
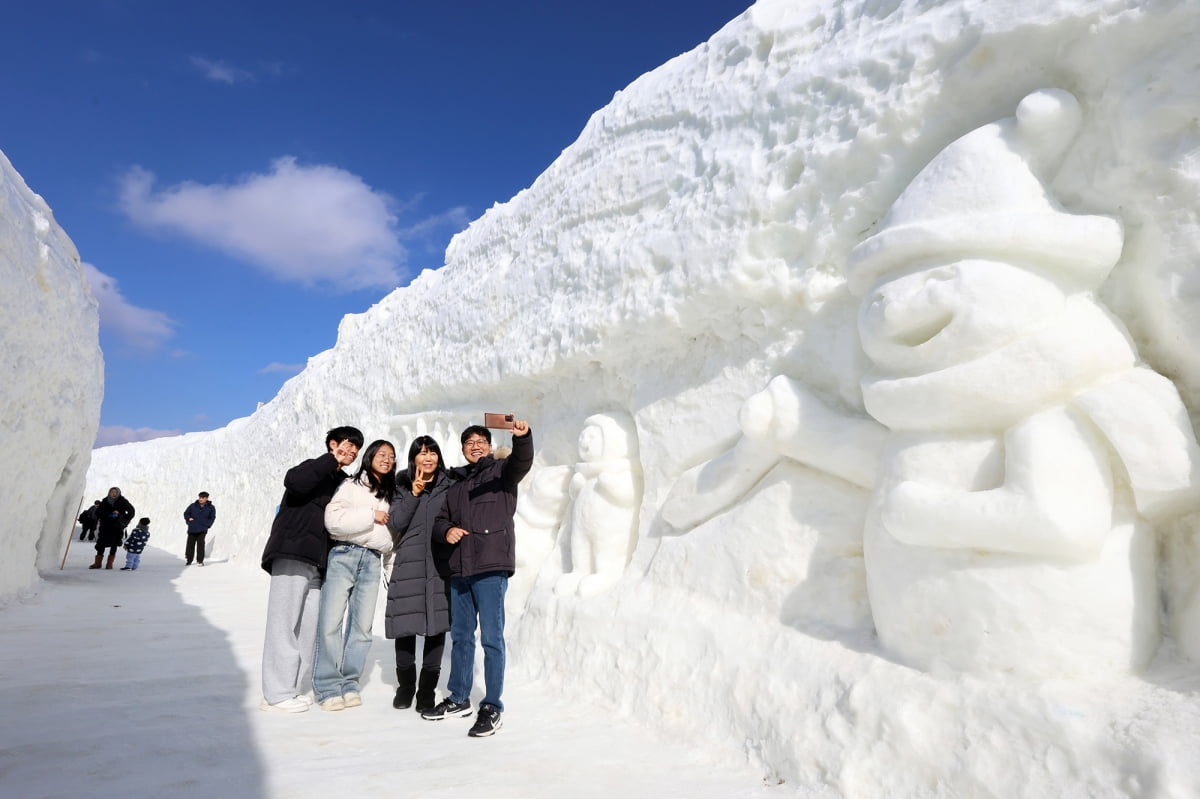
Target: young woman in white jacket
x=356, y=519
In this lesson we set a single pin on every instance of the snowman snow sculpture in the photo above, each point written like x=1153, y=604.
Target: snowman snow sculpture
x=606, y=492
x=1022, y=454
x=1010, y=526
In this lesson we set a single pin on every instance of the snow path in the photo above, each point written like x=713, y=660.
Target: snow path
x=138, y=685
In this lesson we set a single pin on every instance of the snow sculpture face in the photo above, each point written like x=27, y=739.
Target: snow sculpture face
x=591, y=443
x=950, y=313
x=606, y=438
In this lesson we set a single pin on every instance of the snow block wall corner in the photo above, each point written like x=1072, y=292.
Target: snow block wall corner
x=51, y=387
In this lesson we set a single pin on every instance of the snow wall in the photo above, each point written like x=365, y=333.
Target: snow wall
x=53, y=378
x=760, y=515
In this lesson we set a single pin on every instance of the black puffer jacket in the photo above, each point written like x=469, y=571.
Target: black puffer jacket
x=418, y=596
x=483, y=503
x=114, y=515
x=298, y=532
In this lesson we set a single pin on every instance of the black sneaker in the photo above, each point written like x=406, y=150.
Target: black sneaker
x=486, y=723
x=446, y=709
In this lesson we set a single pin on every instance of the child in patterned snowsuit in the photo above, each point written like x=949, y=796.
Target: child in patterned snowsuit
x=135, y=543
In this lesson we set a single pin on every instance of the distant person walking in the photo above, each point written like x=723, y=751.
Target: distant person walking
x=356, y=519
x=295, y=557
x=114, y=513
x=199, y=516
x=88, y=522
x=135, y=543
x=418, y=593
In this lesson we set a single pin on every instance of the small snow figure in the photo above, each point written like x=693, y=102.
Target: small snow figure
x=606, y=492
x=135, y=543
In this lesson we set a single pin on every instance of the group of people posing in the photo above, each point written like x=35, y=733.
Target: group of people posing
x=445, y=539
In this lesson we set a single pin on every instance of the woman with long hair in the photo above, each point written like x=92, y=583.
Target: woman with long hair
x=418, y=598
x=356, y=519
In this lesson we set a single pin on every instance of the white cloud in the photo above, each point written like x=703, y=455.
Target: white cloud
x=119, y=434
x=455, y=218
x=139, y=327
x=306, y=224
x=221, y=71
x=276, y=366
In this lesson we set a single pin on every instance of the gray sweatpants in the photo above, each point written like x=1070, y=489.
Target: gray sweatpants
x=292, y=608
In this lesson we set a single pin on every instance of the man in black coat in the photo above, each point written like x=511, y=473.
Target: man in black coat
x=295, y=557
x=478, y=521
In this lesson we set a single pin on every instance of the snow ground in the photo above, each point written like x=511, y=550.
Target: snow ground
x=147, y=685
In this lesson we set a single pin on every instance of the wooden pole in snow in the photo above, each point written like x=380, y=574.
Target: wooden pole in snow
x=71, y=534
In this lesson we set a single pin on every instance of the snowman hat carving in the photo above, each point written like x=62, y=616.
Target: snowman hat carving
x=982, y=197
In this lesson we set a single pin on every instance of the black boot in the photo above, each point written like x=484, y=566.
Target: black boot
x=426, y=690
x=406, y=684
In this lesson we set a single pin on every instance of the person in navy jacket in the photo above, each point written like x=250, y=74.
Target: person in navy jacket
x=199, y=516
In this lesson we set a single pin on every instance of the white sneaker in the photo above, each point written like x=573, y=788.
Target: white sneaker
x=333, y=703
x=293, y=705
x=306, y=698
x=352, y=698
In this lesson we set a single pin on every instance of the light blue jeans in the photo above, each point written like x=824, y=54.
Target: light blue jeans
x=480, y=597
x=348, y=595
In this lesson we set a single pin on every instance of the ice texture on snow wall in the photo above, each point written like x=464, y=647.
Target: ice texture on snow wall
x=52, y=382
x=754, y=250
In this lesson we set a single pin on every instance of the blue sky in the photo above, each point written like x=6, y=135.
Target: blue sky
x=239, y=175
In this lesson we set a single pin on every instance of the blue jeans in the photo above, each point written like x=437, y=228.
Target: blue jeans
x=482, y=597
x=349, y=593
x=132, y=559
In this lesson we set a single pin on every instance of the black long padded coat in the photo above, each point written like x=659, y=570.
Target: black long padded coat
x=418, y=596
x=114, y=516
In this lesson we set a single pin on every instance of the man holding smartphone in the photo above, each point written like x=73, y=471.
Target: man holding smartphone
x=477, y=521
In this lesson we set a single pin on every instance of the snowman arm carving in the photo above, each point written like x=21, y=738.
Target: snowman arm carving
x=1056, y=499
x=785, y=419
x=804, y=428
x=1144, y=420
x=705, y=490
x=619, y=487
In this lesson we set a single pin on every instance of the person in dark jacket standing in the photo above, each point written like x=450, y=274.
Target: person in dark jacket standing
x=114, y=513
x=295, y=557
x=478, y=522
x=418, y=597
x=199, y=516
x=88, y=521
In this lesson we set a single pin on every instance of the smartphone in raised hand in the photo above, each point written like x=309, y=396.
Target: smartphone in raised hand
x=498, y=421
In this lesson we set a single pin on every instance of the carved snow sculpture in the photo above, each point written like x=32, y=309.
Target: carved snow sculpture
x=1024, y=454
x=784, y=420
x=1001, y=537
x=540, y=508
x=443, y=426
x=606, y=492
